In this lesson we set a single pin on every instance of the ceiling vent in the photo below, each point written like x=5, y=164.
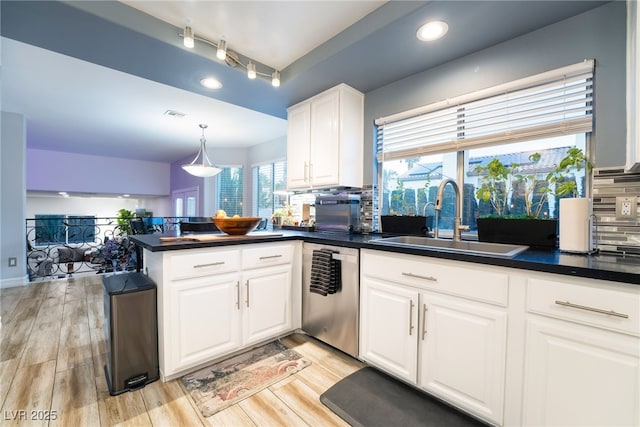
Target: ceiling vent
x=173, y=113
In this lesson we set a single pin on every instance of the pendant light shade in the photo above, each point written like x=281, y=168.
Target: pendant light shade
x=201, y=166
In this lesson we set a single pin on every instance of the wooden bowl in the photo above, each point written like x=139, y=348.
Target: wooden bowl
x=237, y=226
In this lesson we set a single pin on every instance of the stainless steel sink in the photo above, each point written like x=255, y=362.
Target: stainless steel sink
x=472, y=247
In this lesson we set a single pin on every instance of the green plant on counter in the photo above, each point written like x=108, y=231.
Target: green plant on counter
x=498, y=182
x=575, y=159
x=496, y=185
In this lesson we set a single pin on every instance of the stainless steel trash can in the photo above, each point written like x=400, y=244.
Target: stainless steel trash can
x=130, y=331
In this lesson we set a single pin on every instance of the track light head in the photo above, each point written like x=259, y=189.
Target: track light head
x=188, y=37
x=221, y=53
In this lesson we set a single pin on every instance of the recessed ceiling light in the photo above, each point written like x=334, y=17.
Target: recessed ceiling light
x=211, y=83
x=432, y=31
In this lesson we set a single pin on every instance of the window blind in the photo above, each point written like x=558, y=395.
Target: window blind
x=268, y=180
x=230, y=185
x=554, y=103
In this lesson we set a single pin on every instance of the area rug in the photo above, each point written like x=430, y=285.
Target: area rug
x=219, y=386
x=370, y=398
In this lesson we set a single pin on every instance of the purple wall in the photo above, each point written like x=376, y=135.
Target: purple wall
x=58, y=171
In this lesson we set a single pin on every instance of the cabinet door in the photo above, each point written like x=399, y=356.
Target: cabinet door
x=388, y=327
x=266, y=303
x=298, y=140
x=325, y=139
x=205, y=319
x=579, y=375
x=462, y=353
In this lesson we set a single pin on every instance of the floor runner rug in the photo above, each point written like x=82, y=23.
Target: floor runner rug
x=219, y=386
x=370, y=398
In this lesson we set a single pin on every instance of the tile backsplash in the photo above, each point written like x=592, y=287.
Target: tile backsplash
x=621, y=236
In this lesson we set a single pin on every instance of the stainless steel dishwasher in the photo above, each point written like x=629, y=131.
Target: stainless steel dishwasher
x=333, y=318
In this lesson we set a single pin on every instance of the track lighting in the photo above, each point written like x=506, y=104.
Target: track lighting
x=201, y=166
x=188, y=37
x=251, y=70
x=221, y=53
x=231, y=58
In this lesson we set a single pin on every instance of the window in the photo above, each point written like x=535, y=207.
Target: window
x=546, y=114
x=230, y=185
x=269, y=186
x=64, y=229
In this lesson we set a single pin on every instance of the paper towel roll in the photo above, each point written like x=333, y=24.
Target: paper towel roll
x=575, y=225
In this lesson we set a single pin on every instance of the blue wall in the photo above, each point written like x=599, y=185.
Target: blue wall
x=599, y=33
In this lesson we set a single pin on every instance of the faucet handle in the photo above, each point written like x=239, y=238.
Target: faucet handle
x=464, y=227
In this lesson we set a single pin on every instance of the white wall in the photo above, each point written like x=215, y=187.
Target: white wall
x=96, y=206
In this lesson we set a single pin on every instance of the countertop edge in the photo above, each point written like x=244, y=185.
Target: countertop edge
x=618, y=269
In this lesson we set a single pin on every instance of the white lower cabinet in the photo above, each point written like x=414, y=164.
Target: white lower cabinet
x=388, y=320
x=462, y=353
x=206, y=322
x=267, y=303
x=453, y=347
x=213, y=302
x=582, y=359
x=580, y=376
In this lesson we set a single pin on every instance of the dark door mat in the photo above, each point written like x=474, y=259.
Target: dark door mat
x=370, y=398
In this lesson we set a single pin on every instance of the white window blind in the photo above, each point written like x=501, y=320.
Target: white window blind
x=269, y=181
x=230, y=190
x=555, y=103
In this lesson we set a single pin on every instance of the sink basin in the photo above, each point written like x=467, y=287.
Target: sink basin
x=471, y=247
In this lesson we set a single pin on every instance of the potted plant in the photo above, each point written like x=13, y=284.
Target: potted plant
x=575, y=212
x=532, y=225
x=403, y=217
x=124, y=216
x=504, y=187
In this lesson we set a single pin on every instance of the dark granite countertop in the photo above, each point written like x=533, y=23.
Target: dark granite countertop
x=598, y=266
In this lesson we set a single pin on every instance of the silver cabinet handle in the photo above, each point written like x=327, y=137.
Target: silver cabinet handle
x=247, y=285
x=424, y=320
x=271, y=256
x=211, y=264
x=595, y=310
x=238, y=295
x=417, y=276
x=410, y=317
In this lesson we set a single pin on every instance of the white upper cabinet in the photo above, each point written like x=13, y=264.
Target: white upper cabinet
x=325, y=140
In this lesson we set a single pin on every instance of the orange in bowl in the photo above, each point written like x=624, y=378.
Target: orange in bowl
x=237, y=226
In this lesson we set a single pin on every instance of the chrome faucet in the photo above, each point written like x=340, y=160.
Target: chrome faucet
x=424, y=209
x=456, y=221
x=424, y=214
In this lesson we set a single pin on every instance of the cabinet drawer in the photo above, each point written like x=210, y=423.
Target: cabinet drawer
x=612, y=309
x=203, y=263
x=451, y=277
x=266, y=255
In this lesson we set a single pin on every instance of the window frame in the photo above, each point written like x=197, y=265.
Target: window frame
x=461, y=145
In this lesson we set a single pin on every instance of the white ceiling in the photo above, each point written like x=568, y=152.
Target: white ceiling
x=275, y=33
x=75, y=106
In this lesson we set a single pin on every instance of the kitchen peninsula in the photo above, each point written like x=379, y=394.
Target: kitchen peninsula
x=554, y=335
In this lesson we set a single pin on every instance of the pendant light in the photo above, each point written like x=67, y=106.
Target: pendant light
x=201, y=166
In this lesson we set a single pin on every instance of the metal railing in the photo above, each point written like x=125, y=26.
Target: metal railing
x=59, y=246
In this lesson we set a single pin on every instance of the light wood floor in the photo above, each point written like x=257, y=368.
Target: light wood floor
x=52, y=357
